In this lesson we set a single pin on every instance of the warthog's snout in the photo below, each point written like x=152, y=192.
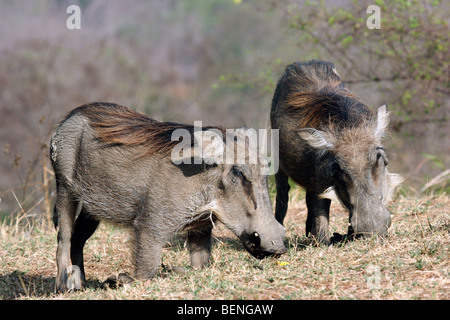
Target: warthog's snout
x=261, y=245
x=370, y=223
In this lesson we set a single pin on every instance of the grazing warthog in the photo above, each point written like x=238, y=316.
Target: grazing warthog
x=330, y=143
x=114, y=164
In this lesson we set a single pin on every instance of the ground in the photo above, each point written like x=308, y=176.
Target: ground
x=413, y=263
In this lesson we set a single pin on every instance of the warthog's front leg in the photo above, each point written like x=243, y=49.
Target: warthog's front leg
x=318, y=217
x=199, y=243
x=282, y=196
x=147, y=251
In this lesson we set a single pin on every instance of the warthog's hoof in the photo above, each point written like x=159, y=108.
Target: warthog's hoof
x=73, y=281
x=117, y=281
x=171, y=269
x=338, y=238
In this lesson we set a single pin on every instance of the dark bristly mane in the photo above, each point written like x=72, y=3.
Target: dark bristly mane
x=313, y=93
x=329, y=105
x=118, y=124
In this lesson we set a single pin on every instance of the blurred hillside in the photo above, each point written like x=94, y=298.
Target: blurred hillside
x=216, y=61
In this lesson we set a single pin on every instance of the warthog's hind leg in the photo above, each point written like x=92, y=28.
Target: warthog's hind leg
x=65, y=209
x=85, y=226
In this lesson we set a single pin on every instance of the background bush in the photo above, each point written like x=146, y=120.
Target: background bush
x=216, y=61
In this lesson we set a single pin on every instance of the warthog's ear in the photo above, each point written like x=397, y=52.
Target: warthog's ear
x=316, y=138
x=382, y=122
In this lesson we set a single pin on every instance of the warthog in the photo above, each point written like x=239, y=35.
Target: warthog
x=331, y=144
x=114, y=164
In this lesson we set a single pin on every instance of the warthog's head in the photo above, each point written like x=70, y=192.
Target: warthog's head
x=358, y=167
x=238, y=178
x=247, y=210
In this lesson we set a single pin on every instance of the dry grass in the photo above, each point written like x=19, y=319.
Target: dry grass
x=412, y=264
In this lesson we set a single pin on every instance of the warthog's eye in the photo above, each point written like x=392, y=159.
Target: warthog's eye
x=380, y=164
x=386, y=160
x=237, y=172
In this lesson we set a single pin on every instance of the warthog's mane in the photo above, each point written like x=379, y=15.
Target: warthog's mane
x=314, y=94
x=350, y=123
x=119, y=125
x=326, y=108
